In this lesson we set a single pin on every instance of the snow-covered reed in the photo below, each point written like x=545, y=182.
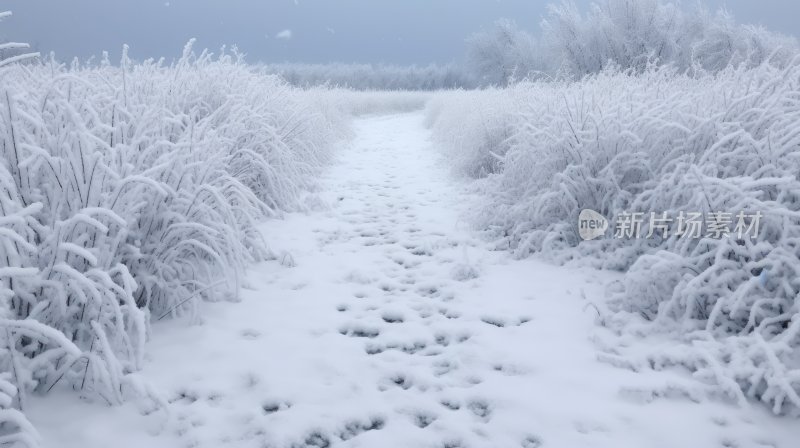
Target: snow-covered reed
x=16, y=226
x=130, y=193
x=474, y=127
x=657, y=141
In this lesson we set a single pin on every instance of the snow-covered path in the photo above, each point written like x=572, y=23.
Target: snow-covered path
x=385, y=323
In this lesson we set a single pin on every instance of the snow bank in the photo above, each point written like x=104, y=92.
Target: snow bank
x=658, y=142
x=131, y=192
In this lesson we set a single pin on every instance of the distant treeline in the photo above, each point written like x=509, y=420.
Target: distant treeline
x=374, y=76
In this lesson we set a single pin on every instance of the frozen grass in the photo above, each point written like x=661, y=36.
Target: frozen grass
x=474, y=127
x=658, y=141
x=129, y=193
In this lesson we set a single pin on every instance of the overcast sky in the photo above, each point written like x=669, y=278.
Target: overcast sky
x=390, y=31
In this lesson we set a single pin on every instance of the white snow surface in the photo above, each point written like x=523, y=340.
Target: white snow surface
x=385, y=322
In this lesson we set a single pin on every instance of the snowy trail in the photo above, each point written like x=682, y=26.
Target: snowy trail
x=387, y=324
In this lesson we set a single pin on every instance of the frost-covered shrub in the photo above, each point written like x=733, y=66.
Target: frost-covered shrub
x=660, y=141
x=626, y=34
x=504, y=53
x=129, y=192
x=473, y=128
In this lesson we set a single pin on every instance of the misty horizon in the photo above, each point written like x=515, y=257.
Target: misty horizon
x=299, y=31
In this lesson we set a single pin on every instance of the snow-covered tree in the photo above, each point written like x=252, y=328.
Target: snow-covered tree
x=503, y=53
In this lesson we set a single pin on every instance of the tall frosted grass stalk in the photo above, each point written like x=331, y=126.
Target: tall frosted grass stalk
x=129, y=191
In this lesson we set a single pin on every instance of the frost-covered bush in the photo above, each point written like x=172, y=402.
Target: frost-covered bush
x=474, y=128
x=626, y=34
x=132, y=192
x=503, y=53
x=658, y=141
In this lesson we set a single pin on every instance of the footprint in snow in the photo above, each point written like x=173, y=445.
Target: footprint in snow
x=355, y=428
x=428, y=291
x=273, y=406
x=423, y=419
x=453, y=443
x=443, y=367
x=392, y=317
x=409, y=348
x=359, y=331
x=494, y=321
x=480, y=408
x=450, y=404
x=250, y=334
x=531, y=442
x=421, y=252
x=501, y=322
x=450, y=314
x=184, y=396
x=398, y=380
x=315, y=439
x=442, y=339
